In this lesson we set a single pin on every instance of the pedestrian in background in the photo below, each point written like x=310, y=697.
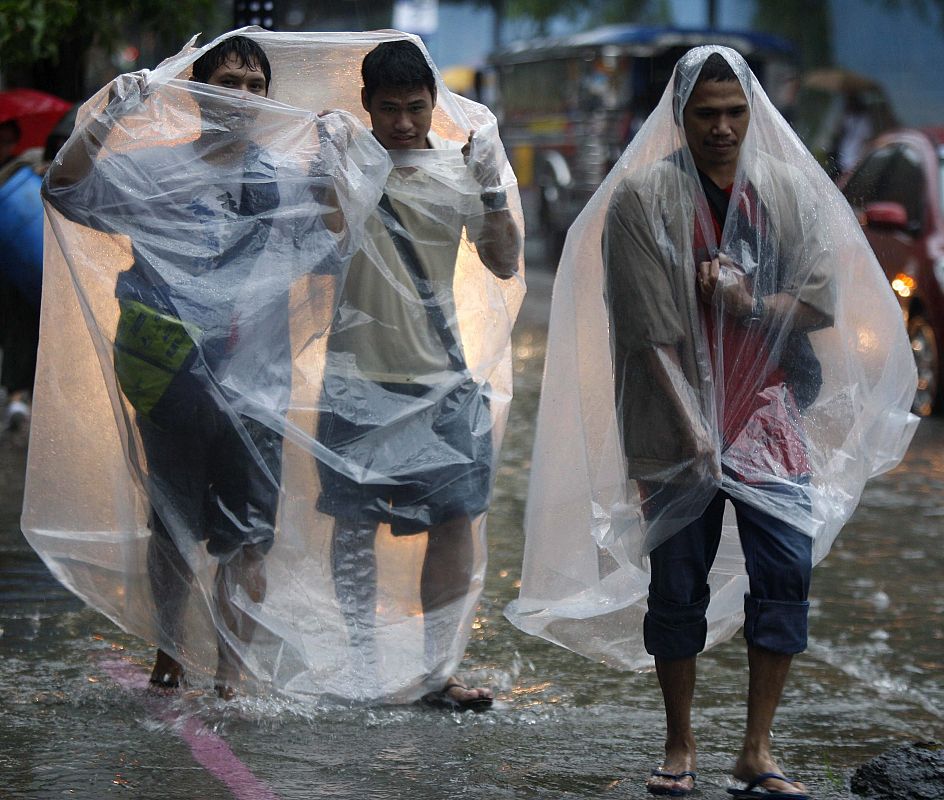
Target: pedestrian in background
x=21, y=266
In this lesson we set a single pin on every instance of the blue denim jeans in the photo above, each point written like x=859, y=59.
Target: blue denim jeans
x=779, y=563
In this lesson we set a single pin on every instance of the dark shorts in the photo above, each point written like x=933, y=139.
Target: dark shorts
x=778, y=560
x=212, y=474
x=408, y=455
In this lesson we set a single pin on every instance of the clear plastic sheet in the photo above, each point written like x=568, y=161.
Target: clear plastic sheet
x=253, y=273
x=653, y=399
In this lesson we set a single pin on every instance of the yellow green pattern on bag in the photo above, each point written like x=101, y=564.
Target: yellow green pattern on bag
x=150, y=348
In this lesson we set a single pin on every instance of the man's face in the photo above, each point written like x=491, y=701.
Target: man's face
x=240, y=76
x=223, y=115
x=716, y=119
x=400, y=118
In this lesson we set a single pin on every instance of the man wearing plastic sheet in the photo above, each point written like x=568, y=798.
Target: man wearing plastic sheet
x=754, y=308
x=226, y=202
x=407, y=427
x=758, y=361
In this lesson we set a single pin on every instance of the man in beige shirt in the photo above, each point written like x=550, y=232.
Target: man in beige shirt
x=408, y=429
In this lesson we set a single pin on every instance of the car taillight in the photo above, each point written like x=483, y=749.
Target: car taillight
x=904, y=285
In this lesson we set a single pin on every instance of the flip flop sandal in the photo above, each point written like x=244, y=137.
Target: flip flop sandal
x=672, y=776
x=165, y=685
x=754, y=789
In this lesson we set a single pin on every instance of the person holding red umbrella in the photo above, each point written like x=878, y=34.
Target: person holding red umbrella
x=36, y=113
x=27, y=119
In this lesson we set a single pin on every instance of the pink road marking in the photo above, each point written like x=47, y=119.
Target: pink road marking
x=209, y=750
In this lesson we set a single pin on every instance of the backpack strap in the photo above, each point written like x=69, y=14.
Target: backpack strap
x=407, y=252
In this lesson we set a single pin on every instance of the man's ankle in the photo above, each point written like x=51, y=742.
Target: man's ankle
x=167, y=671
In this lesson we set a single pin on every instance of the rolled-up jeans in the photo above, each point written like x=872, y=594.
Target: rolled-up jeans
x=779, y=562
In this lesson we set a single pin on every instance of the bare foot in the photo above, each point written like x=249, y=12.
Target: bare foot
x=166, y=676
x=224, y=692
x=463, y=695
x=747, y=769
x=677, y=774
x=456, y=696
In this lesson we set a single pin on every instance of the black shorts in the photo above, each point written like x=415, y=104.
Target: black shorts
x=212, y=474
x=412, y=456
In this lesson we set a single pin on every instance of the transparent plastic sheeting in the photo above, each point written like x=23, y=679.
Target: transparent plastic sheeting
x=289, y=407
x=653, y=399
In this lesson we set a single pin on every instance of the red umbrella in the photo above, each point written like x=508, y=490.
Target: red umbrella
x=36, y=112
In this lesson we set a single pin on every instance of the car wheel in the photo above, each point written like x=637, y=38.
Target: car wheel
x=924, y=348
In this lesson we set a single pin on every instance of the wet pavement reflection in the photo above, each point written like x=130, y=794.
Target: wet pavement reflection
x=78, y=724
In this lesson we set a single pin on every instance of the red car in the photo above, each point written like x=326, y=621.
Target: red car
x=896, y=189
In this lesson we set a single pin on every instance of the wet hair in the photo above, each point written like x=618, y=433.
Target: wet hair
x=716, y=68
x=247, y=52
x=396, y=65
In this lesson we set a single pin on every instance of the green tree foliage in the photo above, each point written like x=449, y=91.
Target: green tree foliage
x=633, y=11
x=595, y=11
x=807, y=23
x=543, y=10
x=32, y=31
x=538, y=11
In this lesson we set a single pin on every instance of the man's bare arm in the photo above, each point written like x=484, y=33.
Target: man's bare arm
x=77, y=156
x=499, y=241
x=665, y=365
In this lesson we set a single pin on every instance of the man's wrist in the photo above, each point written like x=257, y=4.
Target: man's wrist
x=757, y=310
x=99, y=126
x=494, y=199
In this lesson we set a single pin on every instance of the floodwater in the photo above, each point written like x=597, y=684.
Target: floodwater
x=76, y=722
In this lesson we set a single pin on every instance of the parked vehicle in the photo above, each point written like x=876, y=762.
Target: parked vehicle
x=896, y=190
x=568, y=106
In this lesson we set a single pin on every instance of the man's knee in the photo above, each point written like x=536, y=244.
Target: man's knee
x=778, y=557
x=783, y=572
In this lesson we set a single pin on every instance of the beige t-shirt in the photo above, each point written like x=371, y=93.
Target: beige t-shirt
x=383, y=329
